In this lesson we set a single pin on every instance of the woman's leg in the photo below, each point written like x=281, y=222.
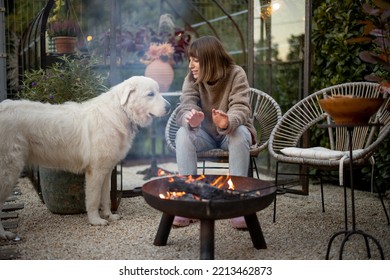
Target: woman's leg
x=187, y=144
x=238, y=144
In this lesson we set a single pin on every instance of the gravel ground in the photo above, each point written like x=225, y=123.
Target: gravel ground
x=301, y=231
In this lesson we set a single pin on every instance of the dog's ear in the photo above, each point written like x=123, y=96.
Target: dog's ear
x=126, y=93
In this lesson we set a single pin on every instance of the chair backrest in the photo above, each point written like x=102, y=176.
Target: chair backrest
x=266, y=113
x=308, y=112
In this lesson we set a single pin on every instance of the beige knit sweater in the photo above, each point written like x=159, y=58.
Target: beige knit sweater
x=230, y=94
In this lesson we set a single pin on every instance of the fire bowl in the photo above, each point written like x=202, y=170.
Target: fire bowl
x=349, y=109
x=214, y=208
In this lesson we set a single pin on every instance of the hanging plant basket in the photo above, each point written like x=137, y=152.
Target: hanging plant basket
x=65, y=44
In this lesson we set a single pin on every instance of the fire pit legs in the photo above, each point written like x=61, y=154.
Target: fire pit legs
x=207, y=239
x=163, y=230
x=207, y=236
x=255, y=231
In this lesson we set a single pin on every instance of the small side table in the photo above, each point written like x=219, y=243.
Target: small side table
x=349, y=232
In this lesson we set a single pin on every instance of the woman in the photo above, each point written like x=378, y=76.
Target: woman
x=214, y=112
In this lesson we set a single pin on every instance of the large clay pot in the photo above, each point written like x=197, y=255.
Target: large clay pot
x=65, y=44
x=63, y=192
x=161, y=72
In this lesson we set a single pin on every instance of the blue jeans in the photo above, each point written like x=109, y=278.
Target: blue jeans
x=189, y=142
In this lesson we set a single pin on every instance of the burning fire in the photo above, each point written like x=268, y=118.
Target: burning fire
x=218, y=182
x=172, y=195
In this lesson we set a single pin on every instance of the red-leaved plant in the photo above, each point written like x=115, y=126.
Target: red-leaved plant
x=376, y=32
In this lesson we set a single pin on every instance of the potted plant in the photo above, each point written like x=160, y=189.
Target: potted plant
x=159, y=60
x=69, y=79
x=64, y=33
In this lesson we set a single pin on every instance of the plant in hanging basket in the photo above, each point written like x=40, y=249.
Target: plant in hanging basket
x=63, y=28
x=64, y=32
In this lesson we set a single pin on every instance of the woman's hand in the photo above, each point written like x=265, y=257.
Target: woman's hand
x=194, y=118
x=220, y=118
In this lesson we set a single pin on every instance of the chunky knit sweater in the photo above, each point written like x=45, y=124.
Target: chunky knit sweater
x=230, y=94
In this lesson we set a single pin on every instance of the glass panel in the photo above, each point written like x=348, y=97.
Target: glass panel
x=279, y=28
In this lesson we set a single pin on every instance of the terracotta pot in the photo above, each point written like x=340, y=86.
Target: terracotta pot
x=161, y=72
x=351, y=110
x=65, y=44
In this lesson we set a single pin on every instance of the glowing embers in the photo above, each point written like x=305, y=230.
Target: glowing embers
x=203, y=189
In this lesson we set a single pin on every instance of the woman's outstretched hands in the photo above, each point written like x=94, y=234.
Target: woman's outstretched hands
x=220, y=118
x=194, y=118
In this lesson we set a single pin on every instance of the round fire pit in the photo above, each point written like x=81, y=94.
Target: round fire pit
x=253, y=196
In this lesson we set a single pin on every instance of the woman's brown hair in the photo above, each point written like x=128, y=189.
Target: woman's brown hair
x=213, y=59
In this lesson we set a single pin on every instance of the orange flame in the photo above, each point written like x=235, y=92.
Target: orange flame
x=218, y=182
x=231, y=185
x=161, y=172
x=172, y=195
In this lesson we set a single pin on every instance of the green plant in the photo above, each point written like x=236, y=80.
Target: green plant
x=65, y=27
x=334, y=60
x=376, y=34
x=70, y=79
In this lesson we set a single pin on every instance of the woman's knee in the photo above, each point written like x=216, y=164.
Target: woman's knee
x=240, y=136
x=182, y=136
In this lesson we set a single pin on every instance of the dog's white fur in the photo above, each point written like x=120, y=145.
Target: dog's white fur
x=91, y=138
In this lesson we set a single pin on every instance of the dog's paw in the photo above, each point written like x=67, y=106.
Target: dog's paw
x=114, y=217
x=98, y=222
x=7, y=235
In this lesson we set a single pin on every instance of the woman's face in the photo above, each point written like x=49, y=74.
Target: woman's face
x=194, y=66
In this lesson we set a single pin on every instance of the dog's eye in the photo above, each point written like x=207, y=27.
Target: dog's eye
x=151, y=94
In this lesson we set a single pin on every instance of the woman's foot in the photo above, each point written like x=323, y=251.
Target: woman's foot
x=182, y=221
x=238, y=223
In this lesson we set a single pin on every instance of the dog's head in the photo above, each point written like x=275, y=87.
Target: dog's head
x=140, y=98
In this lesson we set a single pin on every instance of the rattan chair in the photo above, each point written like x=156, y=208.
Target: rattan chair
x=286, y=138
x=266, y=113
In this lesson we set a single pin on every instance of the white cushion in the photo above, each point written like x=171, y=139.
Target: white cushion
x=314, y=152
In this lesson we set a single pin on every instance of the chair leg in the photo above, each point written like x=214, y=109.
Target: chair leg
x=276, y=184
x=250, y=169
x=322, y=193
x=253, y=166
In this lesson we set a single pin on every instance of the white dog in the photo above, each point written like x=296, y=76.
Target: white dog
x=91, y=138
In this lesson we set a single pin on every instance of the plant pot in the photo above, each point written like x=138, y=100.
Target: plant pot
x=161, y=72
x=62, y=192
x=65, y=44
x=349, y=109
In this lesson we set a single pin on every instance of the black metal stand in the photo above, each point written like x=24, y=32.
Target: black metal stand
x=151, y=171
x=207, y=235
x=348, y=233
